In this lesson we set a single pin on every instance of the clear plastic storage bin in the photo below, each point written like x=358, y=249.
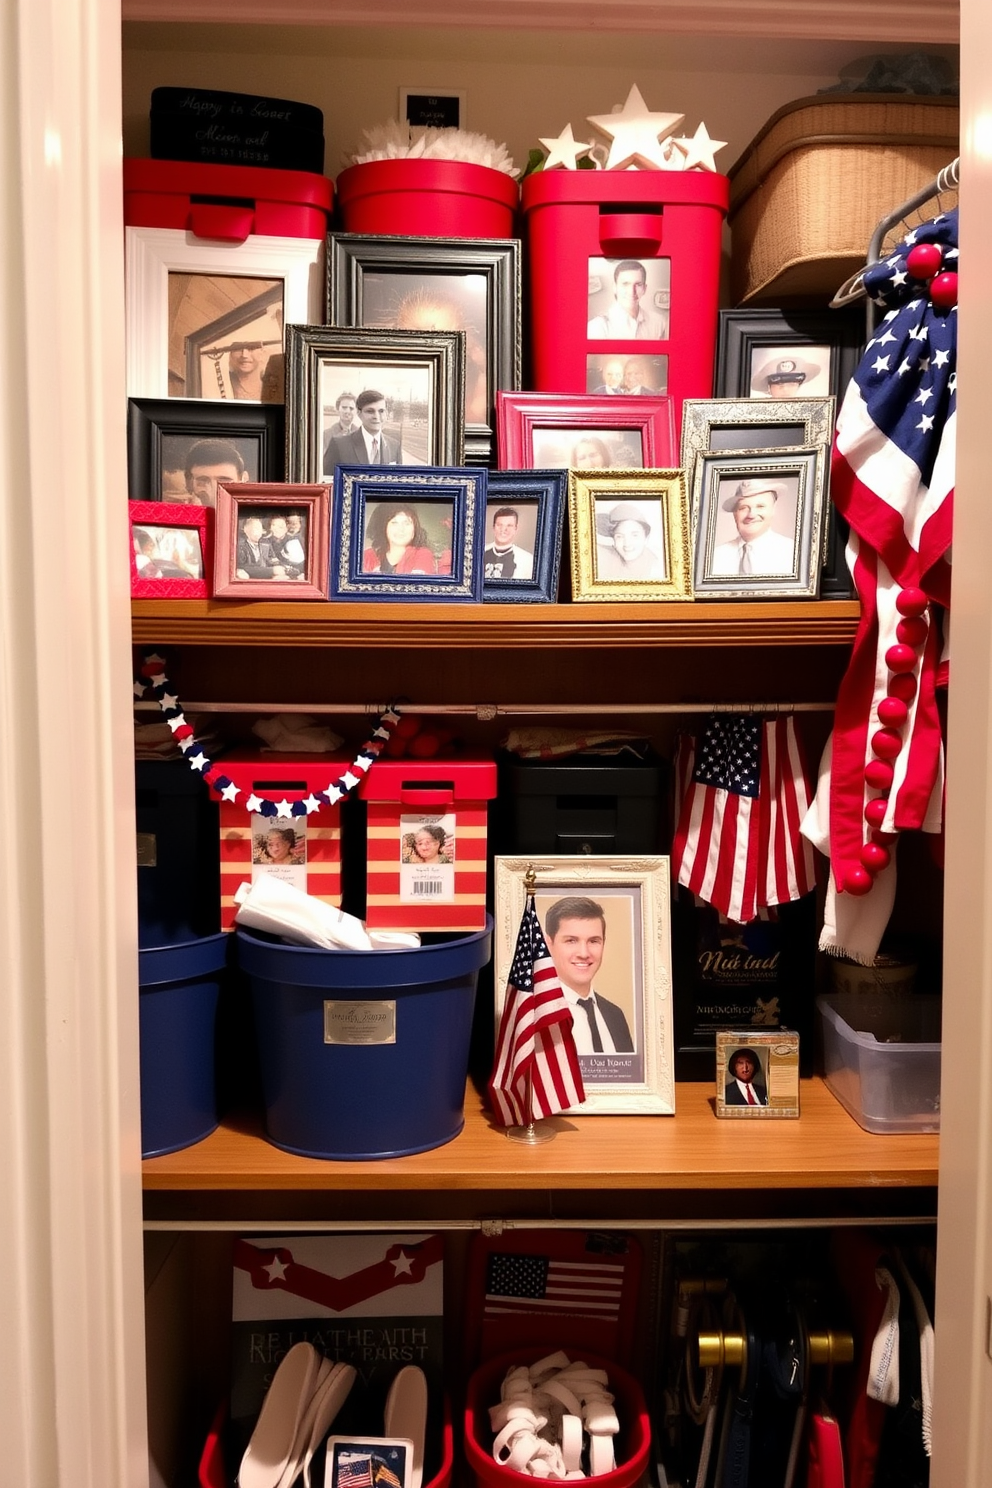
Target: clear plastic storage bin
x=881, y=1059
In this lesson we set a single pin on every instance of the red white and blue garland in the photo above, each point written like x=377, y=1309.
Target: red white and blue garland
x=152, y=669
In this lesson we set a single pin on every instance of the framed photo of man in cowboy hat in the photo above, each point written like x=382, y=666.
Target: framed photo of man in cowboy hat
x=758, y=523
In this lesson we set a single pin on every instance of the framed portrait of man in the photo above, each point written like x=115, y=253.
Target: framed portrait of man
x=572, y=431
x=180, y=450
x=606, y=925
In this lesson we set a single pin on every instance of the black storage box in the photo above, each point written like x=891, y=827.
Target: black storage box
x=236, y=129
x=587, y=805
x=178, y=864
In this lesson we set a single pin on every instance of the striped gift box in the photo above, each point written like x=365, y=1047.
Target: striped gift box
x=317, y=858
x=426, y=843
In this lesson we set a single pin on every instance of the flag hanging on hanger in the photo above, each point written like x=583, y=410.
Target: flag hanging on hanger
x=536, y=1071
x=892, y=477
x=743, y=791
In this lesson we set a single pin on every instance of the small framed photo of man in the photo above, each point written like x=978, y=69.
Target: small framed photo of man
x=272, y=542
x=522, y=553
x=606, y=926
x=758, y=522
x=787, y=354
x=630, y=536
x=629, y=299
x=372, y=397
x=181, y=450
x=757, y=1074
x=170, y=550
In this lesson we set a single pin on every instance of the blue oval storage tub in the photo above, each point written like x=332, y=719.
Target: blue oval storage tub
x=354, y=1101
x=177, y=1011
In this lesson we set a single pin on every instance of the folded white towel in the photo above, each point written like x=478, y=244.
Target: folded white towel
x=287, y=732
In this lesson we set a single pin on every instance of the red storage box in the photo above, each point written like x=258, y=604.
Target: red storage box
x=226, y=203
x=426, y=843
x=582, y=228
x=428, y=199
x=313, y=861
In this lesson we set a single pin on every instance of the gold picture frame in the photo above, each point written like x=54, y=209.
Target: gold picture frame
x=630, y=536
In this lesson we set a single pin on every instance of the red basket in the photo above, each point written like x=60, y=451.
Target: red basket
x=427, y=199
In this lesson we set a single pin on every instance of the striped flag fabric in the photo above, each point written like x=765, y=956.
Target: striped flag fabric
x=742, y=792
x=538, y=1284
x=536, y=1070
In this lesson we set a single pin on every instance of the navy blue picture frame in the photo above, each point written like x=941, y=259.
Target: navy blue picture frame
x=448, y=503
x=511, y=488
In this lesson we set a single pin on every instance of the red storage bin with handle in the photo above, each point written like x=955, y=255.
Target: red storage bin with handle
x=581, y=227
x=226, y=203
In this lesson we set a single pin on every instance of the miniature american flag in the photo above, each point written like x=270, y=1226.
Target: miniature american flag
x=536, y=1070
x=742, y=793
x=543, y=1284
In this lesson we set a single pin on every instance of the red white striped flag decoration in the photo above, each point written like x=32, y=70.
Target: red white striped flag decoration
x=536, y=1071
x=517, y=1283
x=743, y=791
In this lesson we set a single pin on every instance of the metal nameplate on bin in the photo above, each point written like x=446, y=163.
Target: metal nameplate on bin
x=360, y=1022
x=147, y=850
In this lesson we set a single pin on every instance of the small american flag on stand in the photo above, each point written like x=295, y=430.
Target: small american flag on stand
x=743, y=791
x=536, y=1071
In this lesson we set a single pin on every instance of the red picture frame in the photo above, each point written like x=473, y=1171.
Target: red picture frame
x=522, y=417
x=157, y=570
x=293, y=567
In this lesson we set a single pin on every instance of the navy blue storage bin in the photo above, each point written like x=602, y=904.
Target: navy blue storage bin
x=327, y=1097
x=178, y=987
x=178, y=857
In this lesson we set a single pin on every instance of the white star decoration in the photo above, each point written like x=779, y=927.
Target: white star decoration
x=253, y=803
x=176, y=722
x=349, y=780
x=283, y=808
x=899, y=277
x=311, y=803
x=635, y=134
x=167, y=701
x=277, y=1269
x=199, y=761
x=885, y=338
x=230, y=791
x=941, y=357
x=926, y=423
x=402, y=1265
x=880, y=364
x=333, y=794
x=699, y=149
x=139, y=689
x=364, y=762
x=906, y=367
x=565, y=150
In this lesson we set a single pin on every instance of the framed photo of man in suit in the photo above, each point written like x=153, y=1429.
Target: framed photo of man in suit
x=606, y=927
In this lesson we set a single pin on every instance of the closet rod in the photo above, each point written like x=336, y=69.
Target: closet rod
x=485, y=712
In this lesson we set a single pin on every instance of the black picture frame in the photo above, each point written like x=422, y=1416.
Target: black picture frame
x=357, y=262
x=406, y=365
x=158, y=428
x=545, y=490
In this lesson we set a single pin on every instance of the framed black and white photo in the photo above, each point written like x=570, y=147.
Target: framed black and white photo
x=786, y=354
x=630, y=535
x=757, y=524
x=522, y=537
x=629, y=299
x=407, y=534
x=569, y=431
x=272, y=541
x=361, y=397
x=207, y=320
x=606, y=924
x=180, y=449
x=438, y=284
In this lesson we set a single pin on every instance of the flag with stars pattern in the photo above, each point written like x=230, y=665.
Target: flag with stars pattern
x=536, y=1069
x=892, y=477
x=742, y=790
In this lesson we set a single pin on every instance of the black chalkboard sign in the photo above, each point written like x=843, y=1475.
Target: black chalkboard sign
x=218, y=128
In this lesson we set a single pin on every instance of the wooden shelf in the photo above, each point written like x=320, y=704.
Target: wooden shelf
x=455, y=627
x=692, y=1151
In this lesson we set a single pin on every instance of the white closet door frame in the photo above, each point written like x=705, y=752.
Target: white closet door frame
x=72, y=1406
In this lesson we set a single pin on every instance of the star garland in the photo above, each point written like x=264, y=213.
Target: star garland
x=152, y=669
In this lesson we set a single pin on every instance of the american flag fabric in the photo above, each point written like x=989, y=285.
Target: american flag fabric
x=892, y=477
x=536, y=1071
x=536, y=1284
x=355, y=1472
x=742, y=791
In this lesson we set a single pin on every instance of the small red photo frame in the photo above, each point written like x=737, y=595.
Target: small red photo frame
x=571, y=431
x=272, y=541
x=171, y=550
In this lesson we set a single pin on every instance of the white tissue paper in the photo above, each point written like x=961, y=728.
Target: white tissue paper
x=273, y=906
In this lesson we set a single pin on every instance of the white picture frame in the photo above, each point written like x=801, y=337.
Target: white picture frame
x=635, y=896
x=151, y=254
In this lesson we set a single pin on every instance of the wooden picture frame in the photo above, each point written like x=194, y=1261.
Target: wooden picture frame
x=630, y=535
x=536, y=499
x=163, y=433
x=297, y=557
x=419, y=377
x=435, y=551
x=465, y=284
x=631, y=433
x=171, y=550
x=633, y=969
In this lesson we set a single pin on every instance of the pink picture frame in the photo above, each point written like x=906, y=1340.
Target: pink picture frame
x=171, y=550
x=273, y=541
x=568, y=431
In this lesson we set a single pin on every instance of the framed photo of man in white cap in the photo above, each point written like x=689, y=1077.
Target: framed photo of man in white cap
x=758, y=523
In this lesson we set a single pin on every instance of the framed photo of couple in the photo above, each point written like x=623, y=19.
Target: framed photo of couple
x=606, y=924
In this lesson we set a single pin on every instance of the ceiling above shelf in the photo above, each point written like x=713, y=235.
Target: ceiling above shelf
x=891, y=21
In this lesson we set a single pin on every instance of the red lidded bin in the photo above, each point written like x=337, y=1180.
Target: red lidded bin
x=253, y=845
x=227, y=203
x=582, y=228
x=428, y=199
x=426, y=843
